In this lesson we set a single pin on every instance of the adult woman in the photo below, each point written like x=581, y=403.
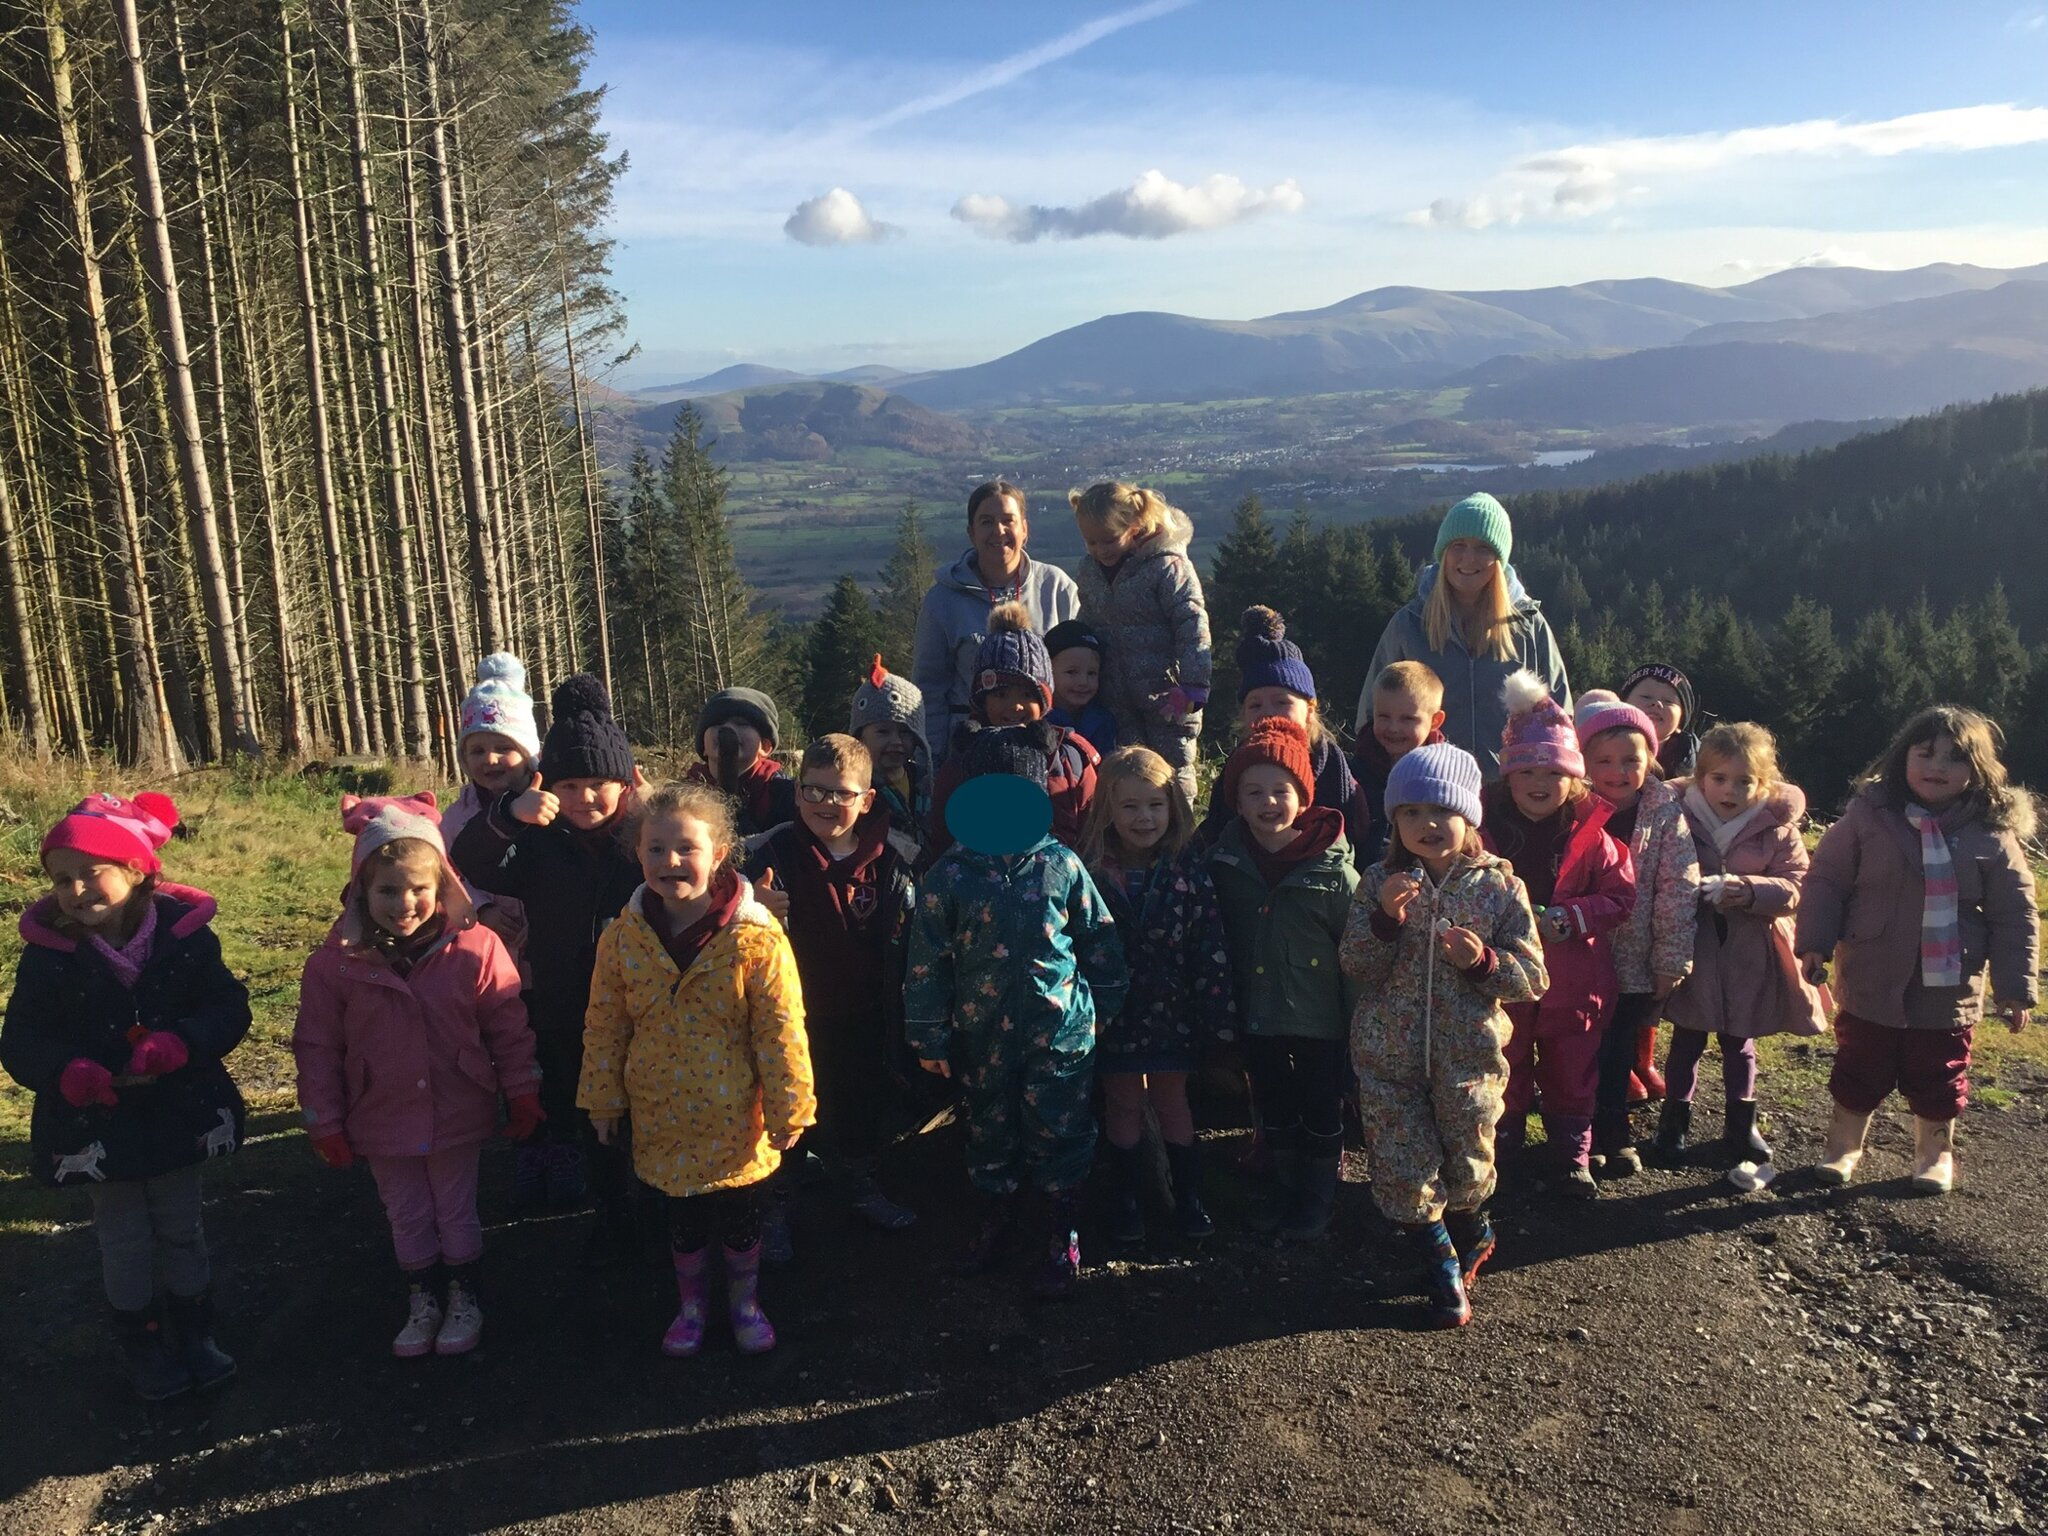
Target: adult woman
x=1471, y=623
x=952, y=620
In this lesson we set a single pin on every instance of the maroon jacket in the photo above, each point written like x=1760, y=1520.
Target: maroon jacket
x=1596, y=889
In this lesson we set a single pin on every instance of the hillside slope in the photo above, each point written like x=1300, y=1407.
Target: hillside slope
x=814, y=420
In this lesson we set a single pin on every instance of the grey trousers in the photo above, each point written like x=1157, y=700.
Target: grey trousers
x=149, y=1228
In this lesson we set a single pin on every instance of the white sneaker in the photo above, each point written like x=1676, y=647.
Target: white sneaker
x=465, y=1324
x=422, y=1323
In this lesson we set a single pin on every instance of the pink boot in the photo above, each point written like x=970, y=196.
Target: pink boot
x=751, y=1330
x=685, y=1335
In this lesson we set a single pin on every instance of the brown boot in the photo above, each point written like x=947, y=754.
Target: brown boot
x=1838, y=1160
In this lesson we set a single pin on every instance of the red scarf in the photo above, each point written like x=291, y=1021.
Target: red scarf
x=685, y=947
x=1314, y=831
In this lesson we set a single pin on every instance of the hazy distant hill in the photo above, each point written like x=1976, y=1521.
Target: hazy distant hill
x=738, y=376
x=815, y=419
x=1410, y=337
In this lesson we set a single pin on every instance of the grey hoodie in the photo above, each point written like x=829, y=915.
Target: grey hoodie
x=1474, y=712
x=952, y=621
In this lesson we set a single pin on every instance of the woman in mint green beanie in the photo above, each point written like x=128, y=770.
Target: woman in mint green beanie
x=1471, y=623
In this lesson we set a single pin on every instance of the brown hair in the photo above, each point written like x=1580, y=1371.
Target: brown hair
x=1118, y=505
x=401, y=852
x=142, y=891
x=1413, y=678
x=2001, y=804
x=1743, y=742
x=696, y=800
x=1398, y=857
x=836, y=753
x=991, y=488
x=1099, y=842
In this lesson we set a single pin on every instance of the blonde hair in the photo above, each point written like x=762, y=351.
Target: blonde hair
x=1099, y=843
x=1118, y=506
x=837, y=753
x=698, y=801
x=1440, y=619
x=1413, y=678
x=1743, y=742
x=2002, y=804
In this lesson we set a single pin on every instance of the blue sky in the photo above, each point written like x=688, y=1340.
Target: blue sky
x=922, y=185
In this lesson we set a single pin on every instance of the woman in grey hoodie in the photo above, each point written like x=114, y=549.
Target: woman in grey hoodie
x=952, y=620
x=1474, y=630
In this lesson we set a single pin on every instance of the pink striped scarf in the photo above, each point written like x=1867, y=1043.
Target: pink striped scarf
x=1941, y=932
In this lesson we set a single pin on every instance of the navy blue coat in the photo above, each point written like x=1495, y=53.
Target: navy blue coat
x=68, y=1003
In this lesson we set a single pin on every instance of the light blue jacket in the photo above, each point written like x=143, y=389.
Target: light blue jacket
x=952, y=621
x=1474, y=712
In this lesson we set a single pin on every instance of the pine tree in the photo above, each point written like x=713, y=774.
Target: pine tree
x=1800, y=672
x=645, y=607
x=1999, y=665
x=837, y=653
x=1242, y=572
x=724, y=641
x=906, y=577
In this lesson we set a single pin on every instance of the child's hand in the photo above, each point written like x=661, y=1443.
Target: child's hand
x=333, y=1150
x=786, y=1140
x=772, y=897
x=156, y=1053
x=1813, y=965
x=1665, y=986
x=942, y=1068
x=537, y=807
x=1733, y=895
x=84, y=1081
x=2015, y=1015
x=607, y=1128
x=1462, y=947
x=1397, y=894
x=1557, y=924
x=523, y=1116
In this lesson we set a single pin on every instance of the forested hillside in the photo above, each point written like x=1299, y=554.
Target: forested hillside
x=295, y=296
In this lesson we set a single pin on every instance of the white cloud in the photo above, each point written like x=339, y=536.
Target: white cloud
x=1152, y=208
x=1834, y=256
x=835, y=218
x=1584, y=179
x=1001, y=73
x=2029, y=18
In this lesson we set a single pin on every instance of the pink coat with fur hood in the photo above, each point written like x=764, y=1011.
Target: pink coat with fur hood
x=1745, y=980
x=413, y=1064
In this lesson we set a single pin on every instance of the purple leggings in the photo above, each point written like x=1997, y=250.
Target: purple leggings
x=1682, y=1066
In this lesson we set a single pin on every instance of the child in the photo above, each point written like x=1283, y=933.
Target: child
x=411, y=991
x=122, y=1011
x=1553, y=830
x=736, y=734
x=1745, y=982
x=1919, y=888
x=850, y=904
x=696, y=1029
x=1439, y=938
x=555, y=847
x=1407, y=712
x=1653, y=949
x=1076, y=653
x=499, y=744
x=1013, y=686
x=1013, y=960
x=888, y=719
x=1665, y=694
x=1141, y=853
x=1284, y=879
x=1143, y=596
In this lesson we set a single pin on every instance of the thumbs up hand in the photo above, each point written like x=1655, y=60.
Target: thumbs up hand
x=537, y=807
x=771, y=896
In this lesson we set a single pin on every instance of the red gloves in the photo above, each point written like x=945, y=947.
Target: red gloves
x=523, y=1116
x=333, y=1149
x=156, y=1053
x=84, y=1081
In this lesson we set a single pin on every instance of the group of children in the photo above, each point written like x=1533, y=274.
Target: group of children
x=671, y=987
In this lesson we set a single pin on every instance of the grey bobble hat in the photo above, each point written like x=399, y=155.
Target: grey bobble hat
x=887, y=698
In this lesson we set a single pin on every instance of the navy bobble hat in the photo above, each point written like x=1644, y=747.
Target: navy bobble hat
x=1266, y=658
x=1440, y=774
x=1012, y=653
x=583, y=740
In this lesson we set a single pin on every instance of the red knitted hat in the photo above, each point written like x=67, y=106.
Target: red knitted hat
x=124, y=831
x=1276, y=740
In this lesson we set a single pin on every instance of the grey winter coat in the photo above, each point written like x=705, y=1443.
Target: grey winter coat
x=1154, y=627
x=1864, y=893
x=1474, y=713
x=952, y=621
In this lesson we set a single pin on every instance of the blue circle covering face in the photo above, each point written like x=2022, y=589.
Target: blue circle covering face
x=999, y=813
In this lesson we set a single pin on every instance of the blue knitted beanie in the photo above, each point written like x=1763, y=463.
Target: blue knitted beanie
x=1479, y=517
x=1266, y=658
x=1436, y=775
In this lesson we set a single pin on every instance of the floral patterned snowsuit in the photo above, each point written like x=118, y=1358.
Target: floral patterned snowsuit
x=1427, y=1038
x=1013, y=958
